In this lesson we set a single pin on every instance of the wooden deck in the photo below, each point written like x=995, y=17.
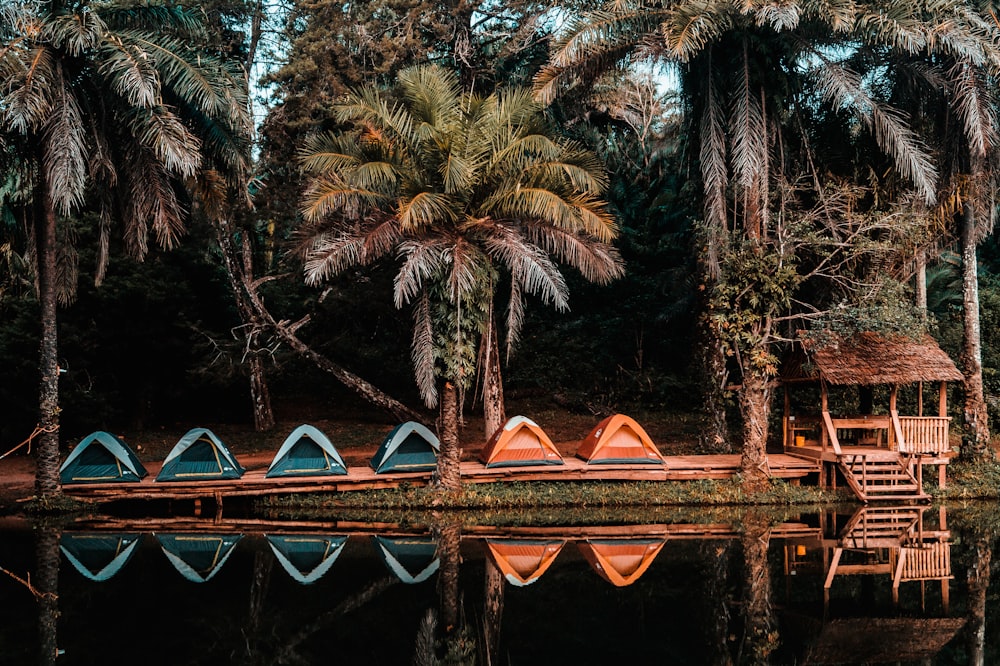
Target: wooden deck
x=254, y=483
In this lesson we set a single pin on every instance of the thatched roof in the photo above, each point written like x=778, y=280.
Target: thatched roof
x=881, y=640
x=869, y=358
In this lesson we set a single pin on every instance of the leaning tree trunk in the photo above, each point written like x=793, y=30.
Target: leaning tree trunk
x=47, y=452
x=448, y=476
x=976, y=444
x=755, y=408
x=247, y=288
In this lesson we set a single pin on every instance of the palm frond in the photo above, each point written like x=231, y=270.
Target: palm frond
x=425, y=209
x=597, y=261
x=713, y=157
x=422, y=351
x=975, y=107
x=75, y=32
x=129, y=72
x=421, y=262
x=65, y=148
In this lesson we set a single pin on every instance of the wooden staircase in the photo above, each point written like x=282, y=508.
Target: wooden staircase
x=880, y=527
x=882, y=477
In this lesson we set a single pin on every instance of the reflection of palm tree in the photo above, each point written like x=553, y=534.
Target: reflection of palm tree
x=110, y=98
x=759, y=628
x=493, y=598
x=460, y=188
x=47, y=593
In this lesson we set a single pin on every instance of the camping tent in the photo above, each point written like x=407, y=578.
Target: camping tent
x=520, y=442
x=101, y=458
x=621, y=561
x=198, y=557
x=619, y=439
x=523, y=561
x=412, y=559
x=98, y=555
x=306, y=557
x=410, y=447
x=307, y=452
x=199, y=455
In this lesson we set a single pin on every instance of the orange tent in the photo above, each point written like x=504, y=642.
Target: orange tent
x=619, y=439
x=523, y=561
x=520, y=442
x=622, y=561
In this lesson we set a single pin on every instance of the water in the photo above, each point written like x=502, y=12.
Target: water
x=824, y=587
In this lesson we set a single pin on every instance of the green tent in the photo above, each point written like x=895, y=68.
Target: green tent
x=198, y=557
x=306, y=557
x=306, y=452
x=97, y=555
x=101, y=458
x=412, y=559
x=199, y=455
x=410, y=447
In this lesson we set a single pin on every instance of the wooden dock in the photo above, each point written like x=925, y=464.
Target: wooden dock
x=254, y=483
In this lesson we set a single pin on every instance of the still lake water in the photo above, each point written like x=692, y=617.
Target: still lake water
x=912, y=585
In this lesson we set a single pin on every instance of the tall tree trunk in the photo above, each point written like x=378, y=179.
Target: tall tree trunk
x=759, y=635
x=976, y=439
x=755, y=408
x=263, y=414
x=494, y=414
x=712, y=361
x=449, y=471
x=47, y=593
x=47, y=451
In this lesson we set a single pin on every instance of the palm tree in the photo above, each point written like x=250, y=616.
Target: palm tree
x=459, y=188
x=111, y=104
x=753, y=76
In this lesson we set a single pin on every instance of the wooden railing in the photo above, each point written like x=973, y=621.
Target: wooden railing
x=928, y=561
x=924, y=434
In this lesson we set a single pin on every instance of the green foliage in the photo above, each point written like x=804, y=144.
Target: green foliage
x=890, y=312
x=756, y=285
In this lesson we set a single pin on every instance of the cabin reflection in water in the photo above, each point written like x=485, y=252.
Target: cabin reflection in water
x=890, y=554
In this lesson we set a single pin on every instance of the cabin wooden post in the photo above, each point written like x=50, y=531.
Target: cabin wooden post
x=892, y=397
x=943, y=400
x=920, y=398
x=785, y=422
x=824, y=399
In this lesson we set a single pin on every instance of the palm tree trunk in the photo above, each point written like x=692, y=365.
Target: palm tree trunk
x=921, y=282
x=715, y=438
x=976, y=444
x=47, y=462
x=755, y=408
x=449, y=472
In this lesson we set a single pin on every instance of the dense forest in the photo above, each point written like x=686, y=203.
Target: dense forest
x=213, y=210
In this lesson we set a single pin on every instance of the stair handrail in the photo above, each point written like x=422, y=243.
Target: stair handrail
x=831, y=432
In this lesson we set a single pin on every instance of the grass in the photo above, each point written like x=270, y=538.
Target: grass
x=969, y=481
x=512, y=503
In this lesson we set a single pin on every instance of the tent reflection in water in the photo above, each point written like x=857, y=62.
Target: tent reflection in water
x=199, y=455
x=306, y=452
x=306, y=557
x=619, y=439
x=523, y=561
x=410, y=447
x=520, y=443
x=621, y=561
x=101, y=458
x=97, y=555
x=198, y=557
x=412, y=559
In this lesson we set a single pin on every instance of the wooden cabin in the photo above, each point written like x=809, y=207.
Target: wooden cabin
x=880, y=453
